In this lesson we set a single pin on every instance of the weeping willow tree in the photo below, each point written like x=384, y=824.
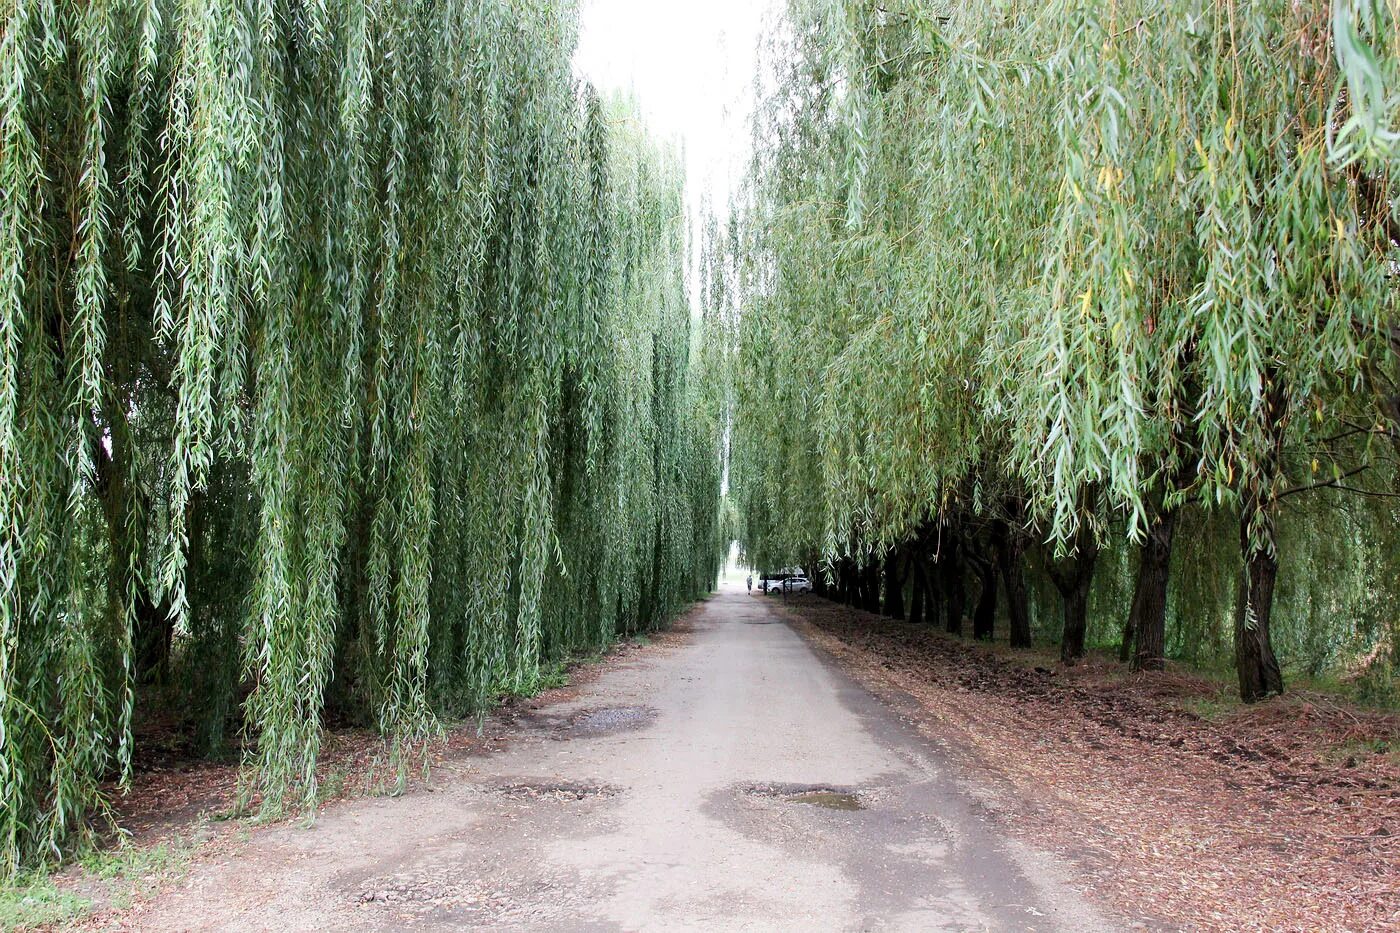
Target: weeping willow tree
x=347, y=370
x=1027, y=283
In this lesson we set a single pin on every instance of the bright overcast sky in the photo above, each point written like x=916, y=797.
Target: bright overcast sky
x=691, y=65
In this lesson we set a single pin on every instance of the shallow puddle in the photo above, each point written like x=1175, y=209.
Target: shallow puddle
x=826, y=796
x=828, y=800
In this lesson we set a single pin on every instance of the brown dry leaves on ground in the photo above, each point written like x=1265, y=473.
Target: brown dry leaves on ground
x=1277, y=817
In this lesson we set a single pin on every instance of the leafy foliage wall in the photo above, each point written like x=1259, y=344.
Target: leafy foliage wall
x=346, y=370
x=1027, y=282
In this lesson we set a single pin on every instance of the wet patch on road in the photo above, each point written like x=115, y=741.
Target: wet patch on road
x=828, y=800
x=825, y=796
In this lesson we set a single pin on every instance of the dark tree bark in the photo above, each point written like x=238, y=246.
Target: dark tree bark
x=1011, y=561
x=917, y=586
x=933, y=595
x=818, y=577
x=871, y=576
x=984, y=616
x=1125, y=645
x=1259, y=673
x=952, y=581
x=1148, y=616
x=1255, y=662
x=152, y=628
x=1258, y=668
x=1073, y=578
x=894, y=586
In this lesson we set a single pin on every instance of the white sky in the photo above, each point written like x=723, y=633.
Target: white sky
x=690, y=64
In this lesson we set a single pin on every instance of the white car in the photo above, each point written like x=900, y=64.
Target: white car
x=773, y=585
x=797, y=585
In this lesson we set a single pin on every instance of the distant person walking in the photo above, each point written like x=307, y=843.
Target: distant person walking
x=748, y=582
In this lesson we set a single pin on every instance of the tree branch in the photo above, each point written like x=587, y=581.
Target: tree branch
x=1330, y=484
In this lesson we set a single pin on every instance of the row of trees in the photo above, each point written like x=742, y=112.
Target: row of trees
x=346, y=372
x=1032, y=291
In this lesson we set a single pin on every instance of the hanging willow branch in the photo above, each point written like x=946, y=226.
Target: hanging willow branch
x=345, y=366
x=1011, y=269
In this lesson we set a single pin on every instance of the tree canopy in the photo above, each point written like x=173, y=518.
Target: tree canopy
x=347, y=370
x=1026, y=282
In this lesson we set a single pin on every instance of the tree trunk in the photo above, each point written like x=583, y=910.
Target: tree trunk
x=917, y=587
x=1125, y=645
x=871, y=575
x=1073, y=579
x=984, y=616
x=1148, y=616
x=933, y=596
x=894, y=587
x=818, y=578
x=1255, y=662
x=1258, y=668
x=953, y=584
x=1076, y=608
x=1010, y=556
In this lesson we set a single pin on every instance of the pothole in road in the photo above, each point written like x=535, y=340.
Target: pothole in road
x=404, y=892
x=480, y=902
x=609, y=719
x=563, y=791
x=825, y=796
x=585, y=723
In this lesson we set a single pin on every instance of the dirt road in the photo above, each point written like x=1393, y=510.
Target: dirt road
x=733, y=780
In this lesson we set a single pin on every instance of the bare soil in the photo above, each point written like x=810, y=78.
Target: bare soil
x=1281, y=816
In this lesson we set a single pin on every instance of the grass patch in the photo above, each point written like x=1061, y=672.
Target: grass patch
x=554, y=676
x=1354, y=750
x=555, y=673
x=1374, y=688
x=34, y=901
x=1212, y=708
x=113, y=877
